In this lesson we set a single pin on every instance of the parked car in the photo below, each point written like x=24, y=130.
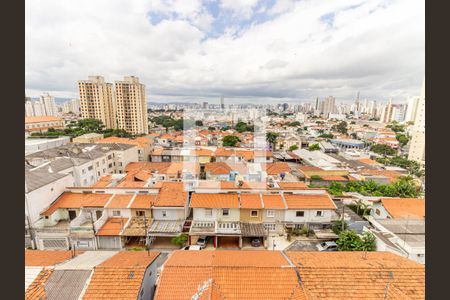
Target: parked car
x=203, y=241
x=192, y=247
x=256, y=243
x=327, y=246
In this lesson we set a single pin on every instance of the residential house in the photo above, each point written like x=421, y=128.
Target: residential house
x=310, y=210
x=143, y=145
x=398, y=208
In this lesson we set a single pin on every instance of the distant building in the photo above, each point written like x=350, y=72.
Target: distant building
x=96, y=99
x=411, y=110
x=48, y=102
x=42, y=123
x=387, y=113
x=417, y=147
x=88, y=138
x=71, y=106
x=222, y=103
x=131, y=105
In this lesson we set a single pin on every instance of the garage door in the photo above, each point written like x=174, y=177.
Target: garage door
x=228, y=242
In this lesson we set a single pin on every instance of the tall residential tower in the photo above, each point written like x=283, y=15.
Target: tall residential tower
x=131, y=105
x=96, y=99
x=417, y=147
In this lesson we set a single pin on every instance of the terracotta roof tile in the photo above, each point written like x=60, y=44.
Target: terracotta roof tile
x=359, y=275
x=404, y=208
x=273, y=202
x=292, y=185
x=143, y=201
x=214, y=200
x=112, y=227
x=44, y=258
x=277, y=168
x=309, y=201
x=251, y=201
x=119, y=201
x=39, y=119
x=36, y=290
x=131, y=259
x=77, y=200
x=171, y=194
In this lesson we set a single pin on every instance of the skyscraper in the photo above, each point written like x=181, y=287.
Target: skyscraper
x=329, y=106
x=222, y=103
x=411, y=111
x=387, y=113
x=131, y=105
x=49, y=105
x=417, y=146
x=96, y=99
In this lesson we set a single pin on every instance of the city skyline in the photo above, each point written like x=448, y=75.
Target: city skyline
x=245, y=52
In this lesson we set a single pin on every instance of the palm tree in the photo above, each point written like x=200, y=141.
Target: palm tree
x=271, y=138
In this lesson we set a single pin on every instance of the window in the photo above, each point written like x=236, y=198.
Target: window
x=164, y=213
x=90, y=168
x=271, y=213
x=120, y=164
x=319, y=213
x=299, y=213
x=140, y=213
x=208, y=212
x=98, y=173
x=377, y=211
x=83, y=171
x=110, y=166
x=104, y=171
x=270, y=227
x=116, y=213
x=225, y=212
x=109, y=156
x=103, y=161
x=254, y=213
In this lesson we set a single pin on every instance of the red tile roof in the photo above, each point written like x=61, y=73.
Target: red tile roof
x=305, y=201
x=405, y=208
x=44, y=258
x=121, y=276
x=273, y=202
x=214, y=200
x=251, y=201
x=143, y=201
x=77, y=200
x=171, y=194
x=119, y=201
x=277, y=168
x=112, y=227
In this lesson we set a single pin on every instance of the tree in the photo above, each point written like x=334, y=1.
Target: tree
x=180, y=240
x=90, y=125
x=314, y=147
x=403, y=139
x=293, y=124
x=383, y=149
x=211, y=128
x=337, y=226
x=316, y=177
x=271, y=138
x=396, y=127
x=349, y=240
x=293, y=147
x=326, y=135
x=199, y=123
x=341, y=127
x=230, y=140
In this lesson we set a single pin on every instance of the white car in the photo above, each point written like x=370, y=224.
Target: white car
x=192, y=247
x=327, y=246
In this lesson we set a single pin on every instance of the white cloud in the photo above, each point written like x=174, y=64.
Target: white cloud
x=373, y=46
x=240, y=8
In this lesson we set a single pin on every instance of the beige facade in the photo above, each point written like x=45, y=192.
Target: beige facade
x=251, y=215
x=88, y=138
x=96, y=99
x=131, y=105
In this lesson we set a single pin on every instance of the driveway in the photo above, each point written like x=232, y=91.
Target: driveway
x=302, y=246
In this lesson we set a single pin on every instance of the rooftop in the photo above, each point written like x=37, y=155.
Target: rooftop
x=405, y=208
x=319, y=201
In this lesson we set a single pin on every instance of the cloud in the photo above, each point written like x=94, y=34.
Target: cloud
x=244, y=50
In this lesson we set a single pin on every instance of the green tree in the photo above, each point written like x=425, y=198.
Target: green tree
x=230, y=140
x=314, y=147
x=383, y=149
x=293, y=124
x=199, y=123
x=293, y=147
x=403, y=139
x=211, y=128
x=180, y=240
x=341, y=127
x=326, y=135
x=396, y=127
x=244, y=127
x=316, y=177
x=271, y=138
x=337, y=226
x=349, y=240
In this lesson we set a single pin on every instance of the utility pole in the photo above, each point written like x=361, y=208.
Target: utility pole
x=146, y=233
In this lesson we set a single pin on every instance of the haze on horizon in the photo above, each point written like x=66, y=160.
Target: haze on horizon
x=250, y=51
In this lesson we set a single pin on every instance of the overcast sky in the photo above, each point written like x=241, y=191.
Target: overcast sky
x=250, y=50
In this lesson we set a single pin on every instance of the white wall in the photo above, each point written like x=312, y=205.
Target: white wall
x=41, y=198
x=172, y=214
x=124, y=212
x=309, y=216
x=383, y=213
x=234, y=215
x=278, y=216
x=199, y=214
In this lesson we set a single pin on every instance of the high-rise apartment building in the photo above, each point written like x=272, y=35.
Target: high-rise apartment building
x=96, y=99
x=72, y=106
x=222, y=102
x=131, y=105
x=328, y=106
x=411, y=111
x=49, y=104
x=417, y=146
x=387, y=113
